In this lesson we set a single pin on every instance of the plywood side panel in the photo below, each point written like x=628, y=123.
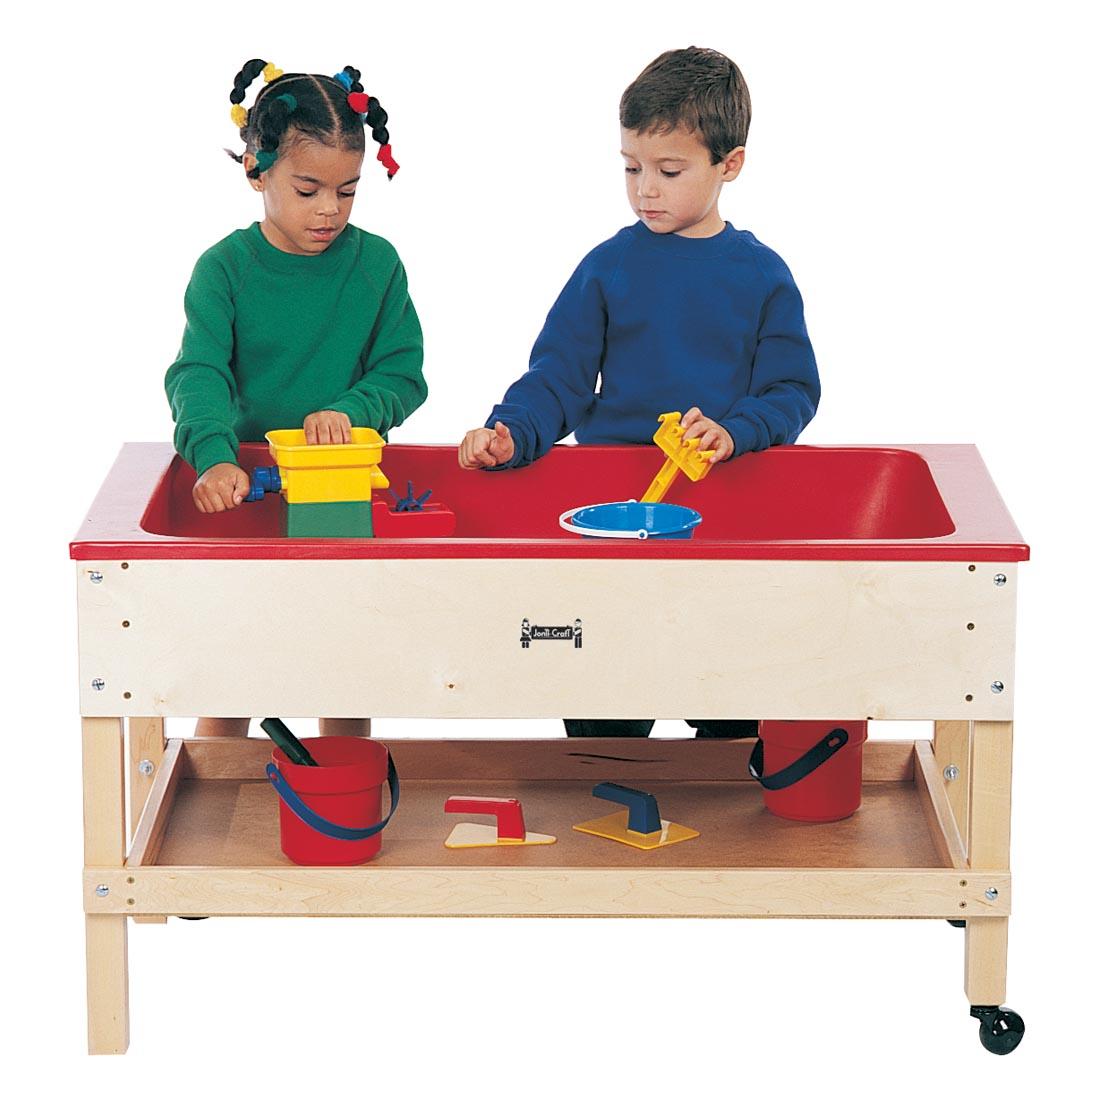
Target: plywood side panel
x=442, y=638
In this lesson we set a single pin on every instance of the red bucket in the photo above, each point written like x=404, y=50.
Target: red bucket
x=810, y=771
x=331, y=815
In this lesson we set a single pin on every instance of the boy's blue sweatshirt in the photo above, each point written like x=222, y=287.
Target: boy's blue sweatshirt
x=663, y=322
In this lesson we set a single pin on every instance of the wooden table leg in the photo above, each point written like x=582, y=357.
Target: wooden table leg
x=146, y=748
x=146, y=737
x=951, y=748
x=990, y=800
x=987, y=960
x=105, y=846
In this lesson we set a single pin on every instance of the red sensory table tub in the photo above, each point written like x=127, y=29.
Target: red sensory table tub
x=835, y=583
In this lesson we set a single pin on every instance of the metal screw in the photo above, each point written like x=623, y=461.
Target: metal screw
x=1000, y=580
x=146, y=767
x=102, y=891
x=98, y=684
x=95, y=576
x=951, y=773
x=996, y=687
x=991, y=893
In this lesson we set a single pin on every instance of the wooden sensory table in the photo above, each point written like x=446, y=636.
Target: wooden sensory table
x=824, y=583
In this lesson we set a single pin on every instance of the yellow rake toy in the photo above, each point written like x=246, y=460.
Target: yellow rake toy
x=682, y=456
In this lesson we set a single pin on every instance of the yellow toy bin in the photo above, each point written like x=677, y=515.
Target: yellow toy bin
x=327, y=472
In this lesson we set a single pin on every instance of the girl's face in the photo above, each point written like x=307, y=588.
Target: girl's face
x=308, y=193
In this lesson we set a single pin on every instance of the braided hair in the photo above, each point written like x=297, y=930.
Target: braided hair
x=328, y=109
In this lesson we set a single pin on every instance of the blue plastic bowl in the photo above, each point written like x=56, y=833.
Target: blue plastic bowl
x=658, y=521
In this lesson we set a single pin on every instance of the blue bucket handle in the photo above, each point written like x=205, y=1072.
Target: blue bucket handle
x=322, y=825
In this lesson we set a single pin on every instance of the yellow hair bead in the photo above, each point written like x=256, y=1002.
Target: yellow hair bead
x=271, y=73
x=239, y=115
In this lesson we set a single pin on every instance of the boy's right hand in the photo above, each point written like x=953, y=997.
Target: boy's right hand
x=486, y=447
x=220, y=488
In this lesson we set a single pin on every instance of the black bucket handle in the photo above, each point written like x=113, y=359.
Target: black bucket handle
x=809, y=762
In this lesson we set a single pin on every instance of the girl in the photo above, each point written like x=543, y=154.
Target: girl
x=300, y=318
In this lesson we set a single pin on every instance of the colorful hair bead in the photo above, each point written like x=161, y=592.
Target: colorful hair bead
x=289, y=100
x=385, y=155
x=239, y=115
x=271, y=72
x=345, y=79
x=265, y=158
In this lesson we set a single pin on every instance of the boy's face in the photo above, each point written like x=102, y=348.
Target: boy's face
x=308, y=193
x=672, y=185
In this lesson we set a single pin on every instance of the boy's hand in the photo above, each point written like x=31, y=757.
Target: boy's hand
x=712, y=435
x=486, y=447
x=220, y=488
x=327, y=426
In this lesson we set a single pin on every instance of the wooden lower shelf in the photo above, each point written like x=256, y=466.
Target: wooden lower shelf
x=208, y=841
x=235, y=823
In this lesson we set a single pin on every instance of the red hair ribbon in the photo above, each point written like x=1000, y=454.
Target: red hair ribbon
x=385, y=155
x=358, y=102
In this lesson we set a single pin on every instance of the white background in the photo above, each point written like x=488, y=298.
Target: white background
x=929, y=173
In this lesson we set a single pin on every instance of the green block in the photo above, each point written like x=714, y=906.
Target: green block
x=336, y=520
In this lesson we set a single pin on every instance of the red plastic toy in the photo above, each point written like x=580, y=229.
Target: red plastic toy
x=508, y=830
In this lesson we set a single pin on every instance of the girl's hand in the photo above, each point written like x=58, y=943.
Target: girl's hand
x=220, y=488
x=327, y=426
x=486, y=447
x=712, y=435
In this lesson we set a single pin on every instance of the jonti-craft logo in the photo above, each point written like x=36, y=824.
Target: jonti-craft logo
x=529, y=632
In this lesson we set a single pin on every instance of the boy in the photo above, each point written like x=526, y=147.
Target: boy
x=678, y=311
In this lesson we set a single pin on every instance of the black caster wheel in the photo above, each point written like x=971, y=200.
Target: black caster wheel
x=1000, y=1029
x=956, y=923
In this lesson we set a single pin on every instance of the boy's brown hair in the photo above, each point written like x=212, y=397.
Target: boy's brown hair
x=702, y=90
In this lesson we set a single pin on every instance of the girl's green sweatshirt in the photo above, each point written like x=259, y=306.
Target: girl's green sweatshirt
x=272, y=337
